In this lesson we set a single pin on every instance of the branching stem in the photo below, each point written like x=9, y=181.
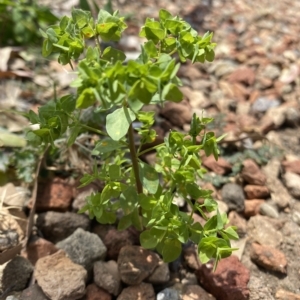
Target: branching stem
x=134, y=157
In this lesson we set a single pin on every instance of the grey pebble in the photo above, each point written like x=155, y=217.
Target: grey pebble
x=268, y=210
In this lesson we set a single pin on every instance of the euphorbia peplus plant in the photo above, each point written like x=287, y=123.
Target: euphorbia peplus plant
x=140, y=193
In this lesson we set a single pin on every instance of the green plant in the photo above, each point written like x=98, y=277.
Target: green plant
x=141, y=194
x=20, y=19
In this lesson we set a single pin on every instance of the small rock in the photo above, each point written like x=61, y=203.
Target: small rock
x=168, y=294
x=263, y=82
x=252, y=207
x=177, y=113
x=38, y=248
x=256, y=191
x=93, y=292
x=55, y=194
x=263, y=104
x=196, y=292
x=15, y=274
x=236, y=220
x=292, y=166
x=191, y=257
x=244, y=75
x=289, y=75
x=80, y=199
x=292, y=182
x=136, y=264
x=252, y=174
x=15, y=296
x=114, y=239
x=13, y=196
x=188, y=278
x=261, y=230
x=268, y=257
x=279, y=193
x=8, y=239
x=60, y=278
x=106, y=276
x=285, y=295
x=277, y=115
x=240, y=244
x=220, y=166
x=83, y=248
x=179, y=201
x=130, y=43
x=292, y=116
x=268, y=210
x=196, y=98
x=259, y=289
x=296, y=217
x=33, y=292
x=160, y=275
x=233, y=196
x=228, y=282
x=272, y=72
x=222, y=68
x=142, y=291
x=57, y=226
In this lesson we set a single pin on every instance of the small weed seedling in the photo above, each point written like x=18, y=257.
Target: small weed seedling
x=135, y=192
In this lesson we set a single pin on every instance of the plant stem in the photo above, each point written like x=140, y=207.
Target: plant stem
x=134, y=158
x=150, y=149
x=92, y=129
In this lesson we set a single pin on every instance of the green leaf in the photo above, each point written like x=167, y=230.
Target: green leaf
x=171, y=250
x=108, y=31
x=164, y=14
x=86, y=179
x=81, y=17
x=106, y=145
x=128, y=200
x=73, y=135
x=11, y=140
x=33, y=117
x=149, y=177
x=210, y=204
x=231, y=233
x=117, y=123
x=139, y=91
x=47, y=48
x=114, y=172
x=211, y=224
x=103, y=15
x=220, y=224
x=153, y=31
x=172, y=93
x=86, y=98
x=88, y=32
x=150, y=49
x=195, y=192
x=147, y=240
x=92, y=54
x=147, y=202
x=136, y=219
x=52, y=36
x=107, y=217
x=125, y=222
x=110, y=191
x=113, y=55
x=174, y=26
x=43, y=132
x=68, y=103
x=210, y=55
x=207, y=249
